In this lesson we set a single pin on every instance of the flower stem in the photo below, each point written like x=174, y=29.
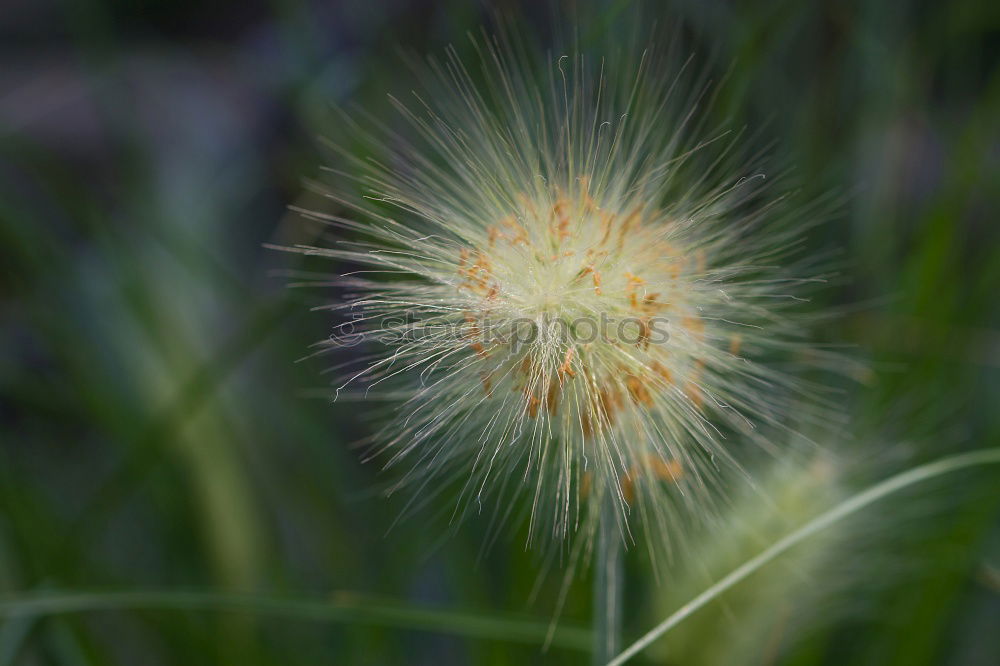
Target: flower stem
x=609, y=578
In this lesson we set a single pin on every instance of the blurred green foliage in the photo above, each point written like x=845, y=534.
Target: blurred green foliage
x=156, y=433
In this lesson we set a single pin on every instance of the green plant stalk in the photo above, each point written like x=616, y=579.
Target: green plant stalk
x=344, y=607
x=609, y=578
x=852, y=505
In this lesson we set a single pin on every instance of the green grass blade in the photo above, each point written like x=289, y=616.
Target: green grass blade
x=837, y=513
x=343, y=607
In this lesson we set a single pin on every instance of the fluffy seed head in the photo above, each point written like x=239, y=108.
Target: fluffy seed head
x=569, y=282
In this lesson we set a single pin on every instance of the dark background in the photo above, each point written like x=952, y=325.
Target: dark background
x=156, y=432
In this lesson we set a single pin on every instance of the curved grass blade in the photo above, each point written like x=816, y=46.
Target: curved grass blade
x=843, y=510
x=343, y=607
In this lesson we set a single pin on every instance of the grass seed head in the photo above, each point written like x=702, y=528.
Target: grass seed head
x=571, y=283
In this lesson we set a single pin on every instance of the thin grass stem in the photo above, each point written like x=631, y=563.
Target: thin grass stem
x=609, y=578
x=843, y=510
x=346, y=608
